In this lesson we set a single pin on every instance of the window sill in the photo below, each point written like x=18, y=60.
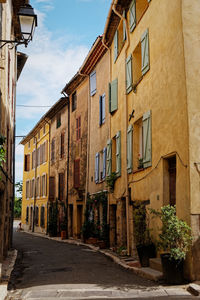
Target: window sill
x=139, y=170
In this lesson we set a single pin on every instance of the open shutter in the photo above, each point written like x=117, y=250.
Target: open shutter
x=100, y=110
x=109, y=100
x=129, y=74
x=104, y=162
x=124, y=26
x=130, y=149
x=118, y=153
x=147, y=147
x=115, y=45
x=103, y=108
x=97, y=167
x=132, y=15
x=114, y=95
x=145, y=51
x=46, y=151
x=92, y=83
x=109, y=158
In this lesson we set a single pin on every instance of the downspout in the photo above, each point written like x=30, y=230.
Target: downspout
x=126, y=127
x=49, y=123
x=36, y=160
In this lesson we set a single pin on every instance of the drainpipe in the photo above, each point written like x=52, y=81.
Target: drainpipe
x=114, y=3
x=49, y=123
x=36, y=159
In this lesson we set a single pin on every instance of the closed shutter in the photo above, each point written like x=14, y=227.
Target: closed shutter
x=77, y=173
x=124, y=26
x=109, y=158
x=61, y=187
x=103, y=108
x=132, y=15
x=104, y=162
x=115, y=45
x=114, y=95
x=130, y=148
x=97, y=167
x=118, y=153
x=147, y=146
x=41, y=187
x=100, y=110
x=46, y=151
x=129, y=74
x=93, y=83
x=62, y=144
x=51, y=188
x=30, y=194
x=145, y=51
x=45, y=191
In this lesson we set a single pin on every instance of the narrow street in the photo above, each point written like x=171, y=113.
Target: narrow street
x=46, y=269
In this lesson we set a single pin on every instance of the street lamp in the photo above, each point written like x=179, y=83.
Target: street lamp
x=28, y=22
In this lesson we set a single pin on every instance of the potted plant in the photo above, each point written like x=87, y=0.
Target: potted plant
x=144, y=245
x=174, y=241
x=110, y=181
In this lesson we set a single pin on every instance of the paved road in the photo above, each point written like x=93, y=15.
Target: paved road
x=47, y=269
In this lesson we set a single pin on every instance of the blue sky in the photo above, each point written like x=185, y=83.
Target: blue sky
x=66, y=31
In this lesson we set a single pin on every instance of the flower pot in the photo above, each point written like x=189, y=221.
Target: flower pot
x=172, y=269
x=143, y=253
x=63, y=234
x=92, y=241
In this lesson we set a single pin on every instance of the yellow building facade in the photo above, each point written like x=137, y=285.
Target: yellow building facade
x=35, y=178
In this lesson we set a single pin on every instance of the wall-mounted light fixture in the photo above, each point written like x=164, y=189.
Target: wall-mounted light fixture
x=28, y=21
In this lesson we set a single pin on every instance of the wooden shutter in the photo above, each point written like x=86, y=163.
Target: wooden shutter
x=97, y=167
x=93, y=83
x=118, y=153
x=130, y=148
x=28, y=162
x=145, y=51
x=114, y=95
x=129, y=74
x=61, y=187
x=46, y=151
x=104, y=162
x=147, y=147
x=100, y=110
x=109, y=158
x=41, y=187
x=79, y=127
x=132, y=15
x=103, y=108
x=25, y=162
x=51, y=188
x=115, y=45
x=77, y=173
x=124, y=26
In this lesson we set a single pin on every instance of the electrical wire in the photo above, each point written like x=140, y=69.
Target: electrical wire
x=33, y=106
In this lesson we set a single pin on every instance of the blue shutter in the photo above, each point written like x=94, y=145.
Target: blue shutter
x=97, y=167
x=147, y=146
x=130, y=148
x=115, y=45
x=145, y=51
x=100, y=110
x=103, y=108
x=118, y=153
x=109, y=158
x=104, y=162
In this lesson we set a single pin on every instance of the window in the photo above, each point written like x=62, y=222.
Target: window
x=36, y=215
x=43, y=186
x=77, y=173
x=53, y=150
x=93, y=83
x=27, y=189
x=114, y=155
x=34, y=140
x=33, y=159
x=32, y=188
x=102, y=109
x=130, y=149
x=44, y=130
x=38, y=134
x=58, y=120
x=119, y=38
x=100, y=165
x=27, y=162
x=74, y=101
x=60, y=186
x=27, y=215
x=51, y=188
x=113, y=96
x=136, y=12
x=38, y=156
x=42, y=213
x=62, y=144
x=109, y=158
x=38, y=187
x=29, y=144
x=78, y=128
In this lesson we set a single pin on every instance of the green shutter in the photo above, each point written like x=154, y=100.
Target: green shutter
x=132, y=15
x=109, y=93
x=145, y=51
x=118, y=153
x=129, y=74
x=109, y=158
x=130, y=148
x=115, y=45
x=147, y=147
x=124, y=25
x=114, y=96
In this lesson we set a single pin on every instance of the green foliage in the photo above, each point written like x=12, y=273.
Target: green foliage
x=2, y=150
x=175, y=236
x=53, y=217
x=110, y=181
x=141, y=224
x=17, y=207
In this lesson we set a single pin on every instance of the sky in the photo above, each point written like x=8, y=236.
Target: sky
x=65, y=33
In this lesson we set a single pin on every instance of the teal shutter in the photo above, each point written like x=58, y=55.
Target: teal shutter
x=132, y=15
x=147, y=147
x=109, y=158
x=118, y=153
x=114, y=96
x=124, y=26
x=103, y=107
x=104, y=162
x=115, y=45
x=100, y=110
x=129, y=74
x=145, y=51
x=130, y=148
x=97, y=167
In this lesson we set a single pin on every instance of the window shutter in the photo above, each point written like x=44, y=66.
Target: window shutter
x=51, y=188
x=97, y=167
x=149, y=0
x=147, y=147
x=115, y=45
x=46, y=151
x=77, y=173
x=114, y=95
x=25, y=162
x=61, y=186
x=132, y=15
x=145, y=51
x=129, y=74
x=93, y=83
x=118, y=153
x=124, y=26
x=130, y=148
x=100, y=110
x=103, y=108
x=109, y=158
x=104, y=162
x=41, y=191
x=45, y=191
x=109, y=100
